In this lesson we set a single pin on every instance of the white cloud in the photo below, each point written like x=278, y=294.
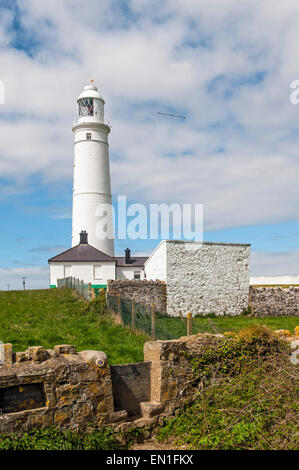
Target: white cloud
x=163, y=57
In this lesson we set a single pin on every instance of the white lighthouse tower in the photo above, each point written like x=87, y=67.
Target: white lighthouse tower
x=92, y=187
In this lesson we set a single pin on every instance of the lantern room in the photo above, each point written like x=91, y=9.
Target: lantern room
x=91, y=105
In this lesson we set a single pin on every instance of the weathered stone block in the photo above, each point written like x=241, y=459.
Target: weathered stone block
x=65, y=349
x=36, y=354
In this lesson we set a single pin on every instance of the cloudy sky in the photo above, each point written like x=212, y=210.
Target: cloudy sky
x=225, y=65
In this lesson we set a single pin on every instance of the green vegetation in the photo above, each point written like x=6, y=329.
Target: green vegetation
x=177, y=327
x=248, y=396
x=54, y=439
x=58, y=316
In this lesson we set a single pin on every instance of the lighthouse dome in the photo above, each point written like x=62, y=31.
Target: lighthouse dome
x=91, y=91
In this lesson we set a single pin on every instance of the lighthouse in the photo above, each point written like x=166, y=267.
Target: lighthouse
x=92, y=202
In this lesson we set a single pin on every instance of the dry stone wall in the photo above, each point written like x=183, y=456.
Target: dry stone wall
x=274, y=301
x=64, y=390
x=145, y=292
x=42, y=388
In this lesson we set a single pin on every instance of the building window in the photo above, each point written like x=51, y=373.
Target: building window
x=88, y=136
x=137, y=275
x=67, y=271
x=98, y=272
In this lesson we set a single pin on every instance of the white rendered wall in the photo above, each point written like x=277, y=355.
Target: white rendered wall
x=274, y=280
x=155, y=266
x=124, y=272
x=83, y=271
x=91, y=183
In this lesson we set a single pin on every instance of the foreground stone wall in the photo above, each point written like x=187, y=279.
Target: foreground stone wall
x=205, y=278
x=145, y=292
x=274, y=301
x=41, y=388
x=75, y=392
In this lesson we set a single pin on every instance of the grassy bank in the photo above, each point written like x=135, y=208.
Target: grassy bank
x=177, y=327
x=57, y=316
x=248, y=398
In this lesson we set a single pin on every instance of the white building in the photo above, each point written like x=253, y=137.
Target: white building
x=202, y=277
x=91, y=265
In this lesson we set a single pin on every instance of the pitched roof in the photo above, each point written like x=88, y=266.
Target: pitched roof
x=134, y=261
x=82, y=252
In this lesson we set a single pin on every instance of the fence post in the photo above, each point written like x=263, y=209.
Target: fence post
x=89, y=291
x=119, y=310
x=189, y=324
x=133, y=313
x=153, y=315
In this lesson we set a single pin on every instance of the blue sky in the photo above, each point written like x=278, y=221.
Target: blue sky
x=226, y=66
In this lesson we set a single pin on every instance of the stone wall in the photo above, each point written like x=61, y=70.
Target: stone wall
x=41, y=388
x=70, y=392
x=145, y=292
x=274, y=301
x=205, y=278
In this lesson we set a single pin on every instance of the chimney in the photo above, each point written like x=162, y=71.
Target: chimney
x=127, y=256
x=83, y=238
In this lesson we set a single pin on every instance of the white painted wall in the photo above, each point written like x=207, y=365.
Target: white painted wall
x=156, y=266
x=267, y=280
x=125, y=272
x=202, y=278
x=83, y=271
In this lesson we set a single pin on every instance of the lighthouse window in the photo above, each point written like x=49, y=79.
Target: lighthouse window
x=86, y=107
x=88, y=136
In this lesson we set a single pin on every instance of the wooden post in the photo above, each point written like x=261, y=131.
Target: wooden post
x=89, y=291
x=189, y=324
x=153, y=315
x=133, y=313
x=118, y=304
x=119, y=315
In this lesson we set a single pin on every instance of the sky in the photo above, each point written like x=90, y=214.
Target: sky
x=226, y=66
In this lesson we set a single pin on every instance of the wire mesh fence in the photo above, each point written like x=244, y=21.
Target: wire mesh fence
x=84, y=290
x=147, y=319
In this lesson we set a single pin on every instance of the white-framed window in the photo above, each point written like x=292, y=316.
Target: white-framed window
x=98, y=272
x=88, y=136
x=137, y=275
x=68, y=271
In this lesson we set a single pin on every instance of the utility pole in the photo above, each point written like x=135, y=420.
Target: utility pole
x=24, y=283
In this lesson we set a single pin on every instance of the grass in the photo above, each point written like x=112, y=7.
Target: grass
x=57, y=316
x=54, y=439
x=176, y=327
x=248, y=397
